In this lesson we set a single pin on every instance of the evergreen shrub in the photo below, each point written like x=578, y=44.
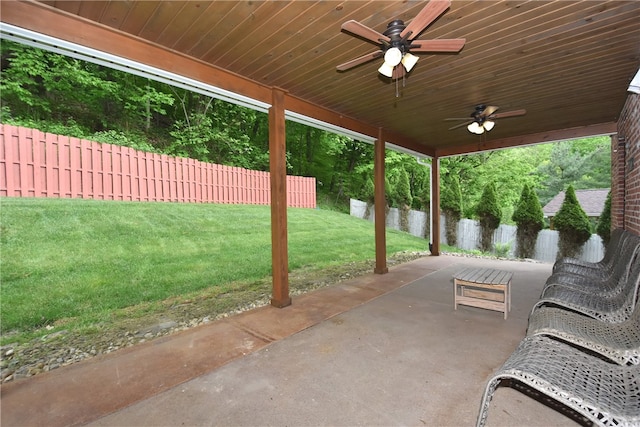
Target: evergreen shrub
x=529, y=218
x=604, y=222
x=573, y=225
x=403, y=198
x=489, y=214
x=451, y=205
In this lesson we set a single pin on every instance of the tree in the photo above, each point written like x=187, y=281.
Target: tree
x=529, y=218
x=572, y=224
x=583, y=163
x=604, y=222
x=451, y=205
x=403, y=198
x=489, y=212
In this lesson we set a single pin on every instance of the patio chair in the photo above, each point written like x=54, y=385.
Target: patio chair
x=604, y=283
x=604, y=393
x=577, y=266
x=617, y=308
x=619, y=342
x=617, y=237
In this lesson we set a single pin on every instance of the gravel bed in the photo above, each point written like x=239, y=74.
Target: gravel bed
x=65, y=347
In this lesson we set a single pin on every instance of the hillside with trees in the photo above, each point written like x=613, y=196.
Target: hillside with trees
x=62, y=95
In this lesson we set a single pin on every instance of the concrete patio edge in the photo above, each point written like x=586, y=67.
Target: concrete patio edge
x=91, y=389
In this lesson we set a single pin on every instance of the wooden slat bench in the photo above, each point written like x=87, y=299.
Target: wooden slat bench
x=483, y=287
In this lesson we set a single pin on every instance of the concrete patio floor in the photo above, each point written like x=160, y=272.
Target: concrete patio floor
x=378, y=350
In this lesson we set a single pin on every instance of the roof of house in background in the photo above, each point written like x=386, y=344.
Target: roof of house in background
x=592, y=202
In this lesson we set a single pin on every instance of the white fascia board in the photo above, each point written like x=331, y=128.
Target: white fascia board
x=403, y=150
x=52, y=44
x=635, y=83
x=309, y=121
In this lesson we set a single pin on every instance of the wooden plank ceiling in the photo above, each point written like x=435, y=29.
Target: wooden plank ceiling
x=568, y=63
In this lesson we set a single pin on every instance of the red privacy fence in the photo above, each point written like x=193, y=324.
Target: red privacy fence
x=37, y=164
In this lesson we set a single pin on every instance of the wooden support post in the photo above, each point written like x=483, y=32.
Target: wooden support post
x=278, y=169
x=435, y=206
x=380, y=204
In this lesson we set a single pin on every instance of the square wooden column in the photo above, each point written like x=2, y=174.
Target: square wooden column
x=380, y=204
x=435, y=206
x=278, y=170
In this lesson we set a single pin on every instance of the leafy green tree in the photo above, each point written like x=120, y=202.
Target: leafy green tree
x=604, y=222
x=451, y=206
x=47, y=86
x=529, y=217
x=583, y=163
x=573, y=225
x=508, y=169
x=59, y=94
x=421, y=191
x=489, y=212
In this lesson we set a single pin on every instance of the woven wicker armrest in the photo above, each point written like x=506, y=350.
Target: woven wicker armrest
x=619, y=342
x=605, y=393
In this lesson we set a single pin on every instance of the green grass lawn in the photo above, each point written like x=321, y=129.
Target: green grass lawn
x=65, y=259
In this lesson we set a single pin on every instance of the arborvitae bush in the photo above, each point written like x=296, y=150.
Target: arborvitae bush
x=368, y=195
x=489, y=213
x=388, y=196
x=530, y=220
x=403, y=198
x=422, y=196
x=451, y=205
x=572, y=224
x=604, y=222
x=403, y=191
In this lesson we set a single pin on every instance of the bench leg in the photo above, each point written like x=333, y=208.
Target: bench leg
x=455, y=294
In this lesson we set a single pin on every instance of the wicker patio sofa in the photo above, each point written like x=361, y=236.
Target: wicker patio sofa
x=604, y=393
x=604, y=283
x=582, y=347
x=616, y=308
x=618, y=342
x=600, y=269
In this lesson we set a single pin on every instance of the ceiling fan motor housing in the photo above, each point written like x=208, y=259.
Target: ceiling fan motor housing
x=394, y=28
x=477, y=115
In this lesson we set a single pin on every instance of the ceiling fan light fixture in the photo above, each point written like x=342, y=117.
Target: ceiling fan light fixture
x=488, y=125
x=392, y=56
x=474, y=127
x=386, y=70
x=409, y=60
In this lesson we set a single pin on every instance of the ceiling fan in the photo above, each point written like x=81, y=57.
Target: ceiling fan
x=482, y=118
x=398, y=42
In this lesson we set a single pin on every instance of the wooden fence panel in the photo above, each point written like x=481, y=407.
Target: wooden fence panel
x=75, y=170
x=36, y=164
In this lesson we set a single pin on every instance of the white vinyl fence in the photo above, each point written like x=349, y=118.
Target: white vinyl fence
x=469, y=234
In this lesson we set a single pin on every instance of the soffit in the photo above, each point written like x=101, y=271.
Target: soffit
x=568, y=63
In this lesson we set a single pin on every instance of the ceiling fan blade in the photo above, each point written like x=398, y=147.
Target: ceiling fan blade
x=361, y=60
x=451, y=119
x=443, y=45
x=506, y=114
x=461, y=124
x=488, y=110
x=426, y=16
x=354, y=27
